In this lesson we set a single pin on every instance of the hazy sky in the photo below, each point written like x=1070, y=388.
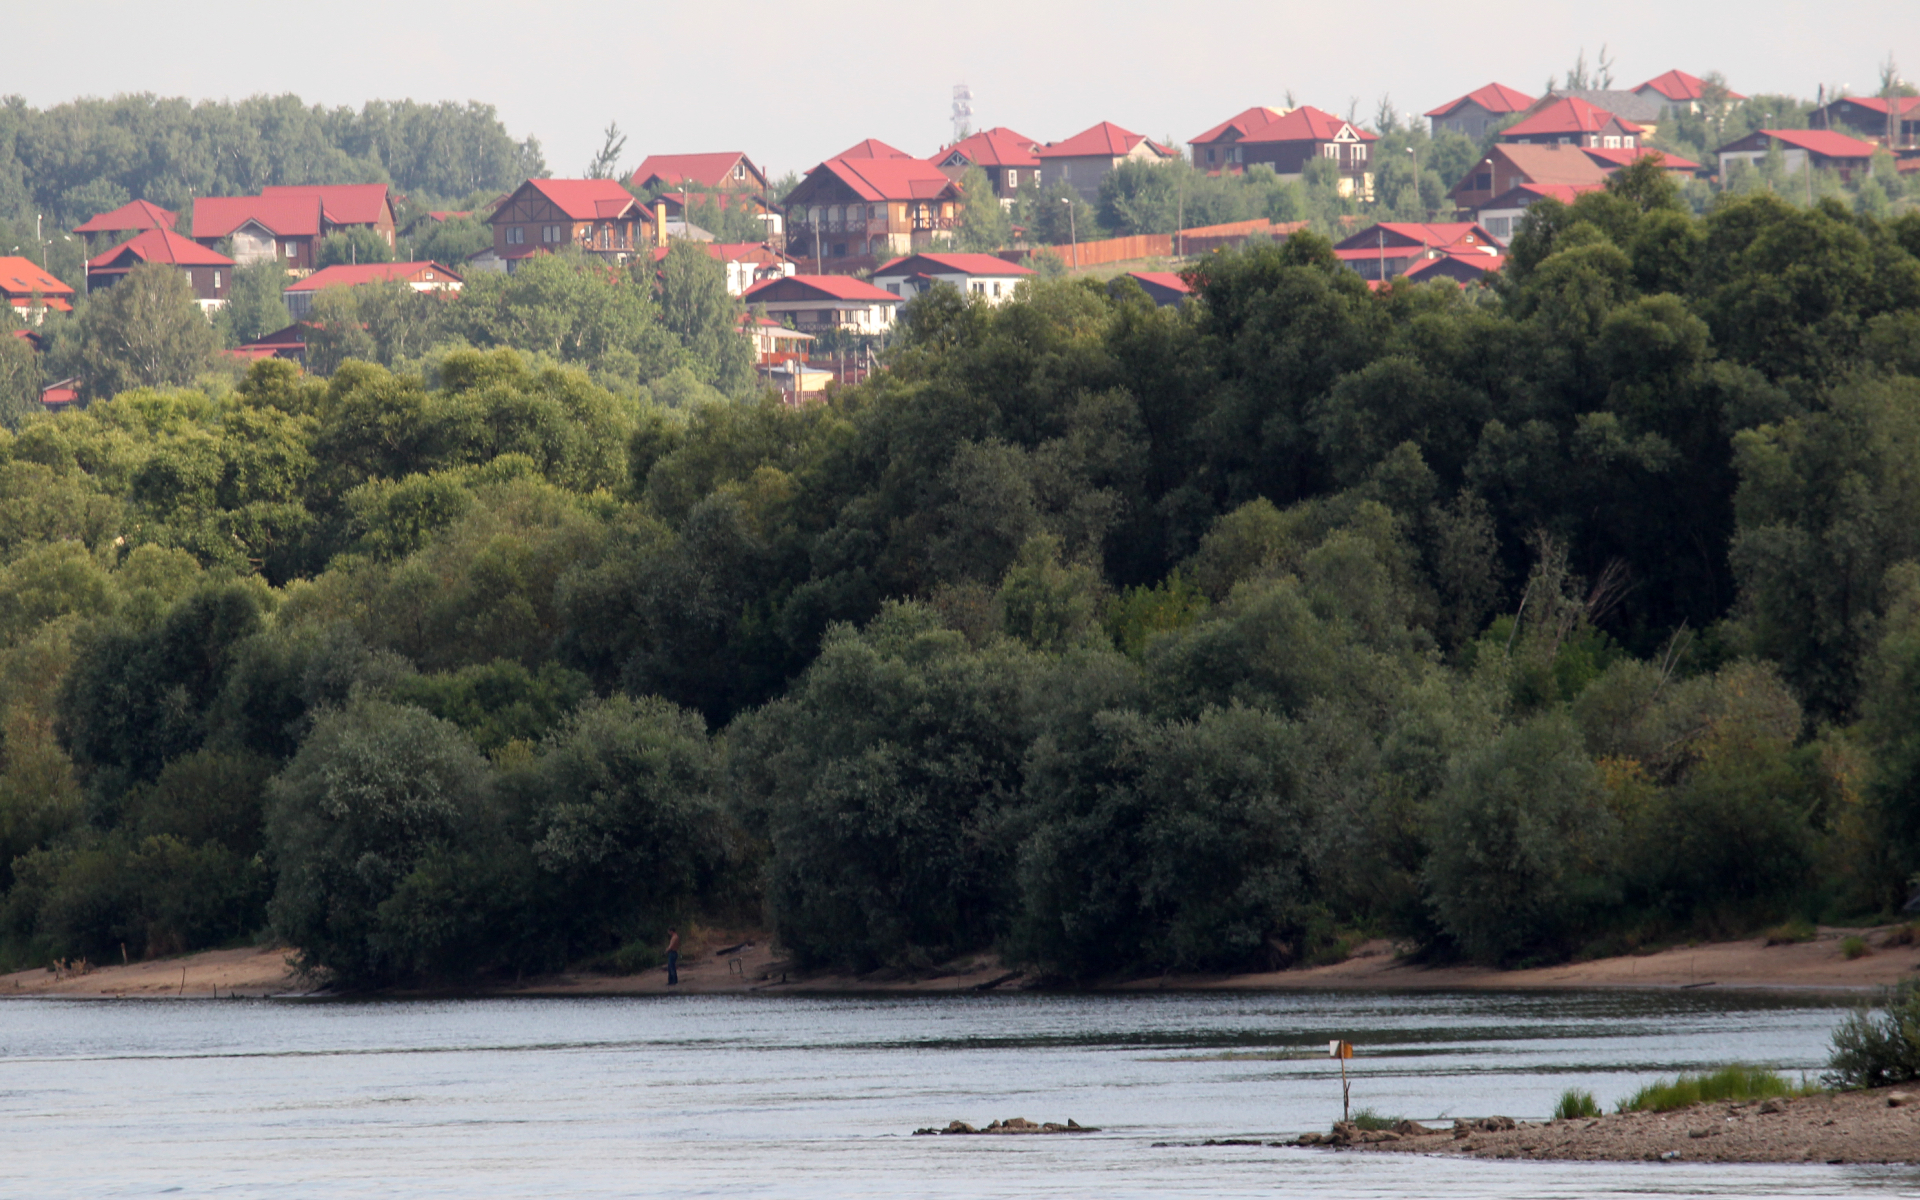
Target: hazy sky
x=790, y=83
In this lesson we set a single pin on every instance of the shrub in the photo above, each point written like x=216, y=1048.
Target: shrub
x=1789, y=932
x=1854, y=946
x=1874, y=1049
x=1371, y=1121
x=1737, y=1082
x=1575, y=1103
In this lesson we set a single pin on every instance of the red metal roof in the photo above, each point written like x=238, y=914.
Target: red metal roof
x=162, y=246
x=1240, y=124
x=134, y=214
x=1105, y=140
x=1569, y=114
x=872, y=148
x=1408, y=234
x=352, y=275
x=1542, y=164
x=1565, y=193
x=1879, y=103
x=706, y=170
x=879, y=179
x=1823, y=142
x=286, y=216
x=951, y=264
x=1678, y=86
x=1308, y=124
x=996, y=147
x=341, y=203
x=753, y=252
x=1482, y=263
x=1613, y=159
x=586, y=199
x=21, y=278
x=1165, y=279
x=1495, y=97
x=822, y=287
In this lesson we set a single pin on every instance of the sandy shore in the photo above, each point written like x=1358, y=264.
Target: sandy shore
x=744, y=961
x=1851, y=1127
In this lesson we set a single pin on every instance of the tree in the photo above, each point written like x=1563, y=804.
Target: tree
x=358, y=244
x=984, y=223
x=335, y=333
x=256, y=305
x=145, y=331
x=450, y=242
x=696, y=307
x=606, y=161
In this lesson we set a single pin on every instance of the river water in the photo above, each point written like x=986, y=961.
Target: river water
x=756, y=1096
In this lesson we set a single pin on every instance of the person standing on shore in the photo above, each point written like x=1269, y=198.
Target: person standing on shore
x=673, y=957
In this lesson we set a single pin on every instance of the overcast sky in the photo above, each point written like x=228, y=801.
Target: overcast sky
x=790, y=83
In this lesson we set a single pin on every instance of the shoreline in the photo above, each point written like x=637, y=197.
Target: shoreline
x=744, y=963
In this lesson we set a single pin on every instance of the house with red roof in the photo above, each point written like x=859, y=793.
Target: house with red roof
x=727, y=170
x=1507, y=166
x=872, y=148
x=1007, y=158
x=1824, y=149
x=1612, y=160
x=208, y=272
x=135, y=216
x=1088, y=157
x=1476, y=113
x=596, y=216
x=346, y=206
x=1501, y=216
x=31, y=290
x=747, y=263
x=289, y=343
x=263, y=228
x=985, y=275
x=1291, y=141
x=1161, y=287
x=1461, y=266
x=1677, y=91
x=1868, y=117
x=420, y=276
x=1570, y=121
x=1217, y=150
x=816, y=302
x=1392, y=248
x=850, y=214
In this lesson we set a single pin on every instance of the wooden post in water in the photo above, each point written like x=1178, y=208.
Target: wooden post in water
x=1343, y=1051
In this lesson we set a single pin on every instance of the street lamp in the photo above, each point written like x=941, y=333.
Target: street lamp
x=1072, y=236
x=1416, y=180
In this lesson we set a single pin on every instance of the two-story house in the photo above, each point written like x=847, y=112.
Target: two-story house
x=1824, y=149
x=850, y=213
x=1006, y=157
x=1677, y=91
x=263, y=228
x=1088, y=157
x=1869, y=117
x=420, y=276
x=1217, y=150
x=1476, y=113
x=346, y=206
x=1508, y=165
x=1289, y=142
x=135, y=216
x=985, y=275
x=1391, y=248
x=31, y=291
x=746, y=263
x=816, y=302
x=596, y=216
x=727, y=179
x=209, y=273
x=1573, y=122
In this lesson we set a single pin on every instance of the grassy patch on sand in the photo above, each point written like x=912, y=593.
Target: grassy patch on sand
x=1737, y=1082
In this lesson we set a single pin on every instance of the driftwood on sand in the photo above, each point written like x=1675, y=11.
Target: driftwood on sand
x=1011, y=1125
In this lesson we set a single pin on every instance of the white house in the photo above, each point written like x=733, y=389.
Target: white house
x=814, y=302
x=975, y=274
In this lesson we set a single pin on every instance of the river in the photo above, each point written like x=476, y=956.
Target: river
x=758, y=1096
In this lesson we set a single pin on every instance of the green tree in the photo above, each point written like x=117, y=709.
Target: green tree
x=357, y=244
x=696, y=308
x=145, y=331
x=256, y=305
x=984, y=222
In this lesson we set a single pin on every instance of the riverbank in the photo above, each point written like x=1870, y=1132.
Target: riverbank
x=745, y=961
x=1848, y=1127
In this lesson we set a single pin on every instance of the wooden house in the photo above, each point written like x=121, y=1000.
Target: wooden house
x=263, y=228
x=1289, y=142
x=985, y=275
x=420, y=276
x=208, y=272
x=1007, y=158
x=31, y=291
x=817, y=302
x=1677, y=91
x=1823, y=148
x=345, y=206
x=851, y=213
x=135, y=216
x=1573, y=122
x=1391, y=248
x=1084, y=160
x=597, y=216
x=1872, y=117
x=1475, y=114
x=1217, y=151
x=1508, y=165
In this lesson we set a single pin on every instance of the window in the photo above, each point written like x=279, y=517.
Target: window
x=740, y=170
x=1329, y=150
x=293, y=250
x=216, y=281
x=894, y=288
x=996, y=287
x=879, y=212
x=1359, y=154
x=1237, y=152
x=1483, y=182
x=1498, y=226
x=423, y=275
x=1611, y=142
x=1627, y=141
x=516, y=235
x=1210, y=155
x=1013, y=178
x=839, y=249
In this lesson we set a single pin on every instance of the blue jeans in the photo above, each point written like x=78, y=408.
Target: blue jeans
x=673, y=966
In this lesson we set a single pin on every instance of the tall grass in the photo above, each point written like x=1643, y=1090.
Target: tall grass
x=1367, y=1118
x=1737, y=1082
x=1575, y=1103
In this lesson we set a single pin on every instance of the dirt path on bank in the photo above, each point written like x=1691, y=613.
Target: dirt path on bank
x=1851, y=1127
x=744, y=961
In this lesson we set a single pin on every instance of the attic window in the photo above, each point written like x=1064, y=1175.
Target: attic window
x=739, y=170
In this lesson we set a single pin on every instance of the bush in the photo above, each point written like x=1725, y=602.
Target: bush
x=1575, y=1103
x=1737, y=1082
x=1372, y=1121
x=1854, y=946
x=1788, y=933
x=1874, y=1049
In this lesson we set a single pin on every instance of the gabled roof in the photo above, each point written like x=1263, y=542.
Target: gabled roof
x=1240, y=124
x=817, y=287
x=1879, y=103
x=951, y=264
x=996, y=147
x=21, y=277
x=1823, y=142
x=1627, y=106
x=342, y=203
x=1567, y=115
x=1308, y=124
x=1430, y=235
x=1523, y=195
x=729, y=252
x=1495, y=98
x=1541, y=164
x=352, y=275
x=162, y=246
x=706, y=170
x=878, y=179
x=1678, y=86
x=585, y=199
x=872, y=148
x=1165, y=279
x=1615, y=159
x=1474, y=261
x=134, y=214
x=1105, y=140
x=286, y=216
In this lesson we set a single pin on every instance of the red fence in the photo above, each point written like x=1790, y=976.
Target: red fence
x=1198, y=240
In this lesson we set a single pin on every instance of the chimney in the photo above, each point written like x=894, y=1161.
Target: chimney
x=659, y=222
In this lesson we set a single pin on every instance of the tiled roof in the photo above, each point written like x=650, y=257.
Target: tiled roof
x=872, y=148
x=1495, y=98
x=996, y=147
x=1823, y=142
x=1417, y=233
x=1567, y=115
x=878, y=179
x=134, y=214
x=21, y=277
x=1483, y=263
x=1680, y=86
x=707, y=170
x=1542, y=164
x=586, y=199
x=1627, y=106
x=287, y=216
x=1513, y=197
x=162, y=246
x=1105, y=140
x=341, y=203
x=1165, y=279
x=1241, y=124
x=1307, y=124
x=1613, y=159
x=753, y=252
x=951, y=264
x=352, y=275
x=817, y=287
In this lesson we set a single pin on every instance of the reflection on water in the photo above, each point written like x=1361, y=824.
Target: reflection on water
x=772, y=1096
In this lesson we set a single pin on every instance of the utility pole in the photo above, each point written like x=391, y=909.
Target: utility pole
x=1072, y=235
x=1416, y=182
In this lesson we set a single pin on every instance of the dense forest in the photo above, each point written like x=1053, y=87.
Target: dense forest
x=1572, y=614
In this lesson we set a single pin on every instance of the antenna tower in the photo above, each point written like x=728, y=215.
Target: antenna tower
x=962, y=111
